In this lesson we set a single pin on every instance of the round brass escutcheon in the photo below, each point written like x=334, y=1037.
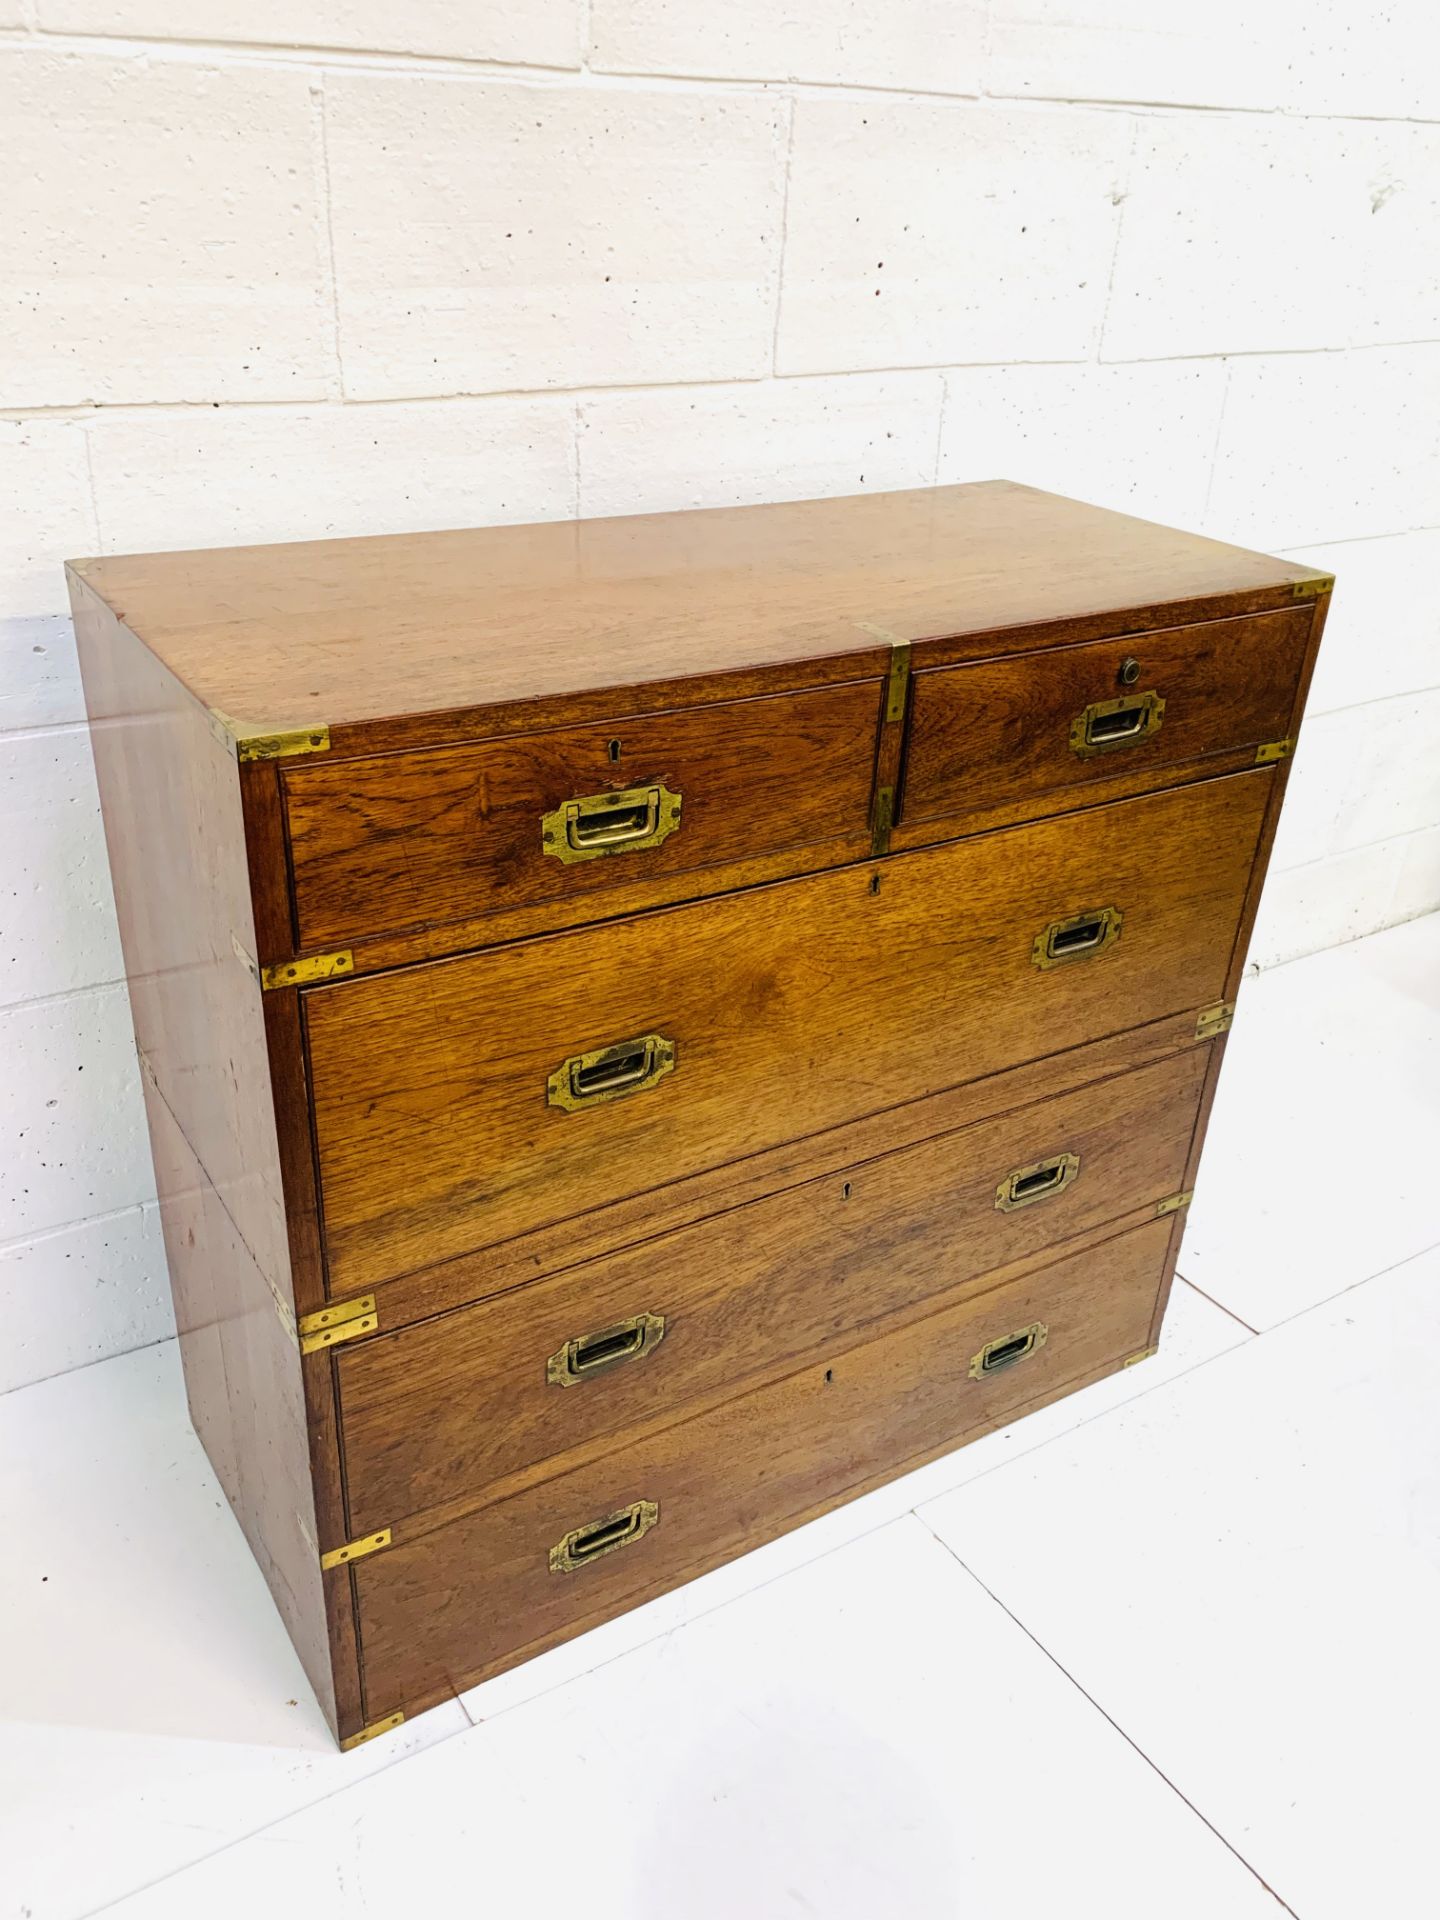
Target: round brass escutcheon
x=1129, y=671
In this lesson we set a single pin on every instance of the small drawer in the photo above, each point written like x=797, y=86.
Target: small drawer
x=382, y=844
x=1018, y=737
x=443, y=1409
x=466, y=1101
x=471, y=1597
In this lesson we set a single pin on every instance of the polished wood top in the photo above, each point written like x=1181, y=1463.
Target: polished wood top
x=353, y=633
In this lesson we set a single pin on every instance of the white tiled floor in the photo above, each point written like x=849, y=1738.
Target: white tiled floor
x=1169, y=1648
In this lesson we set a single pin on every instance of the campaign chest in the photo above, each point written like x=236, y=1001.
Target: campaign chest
x=653, y=1027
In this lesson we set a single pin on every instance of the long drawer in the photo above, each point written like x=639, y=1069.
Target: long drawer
x=458, y=1402
x=466, y=1101
x=454, y=1604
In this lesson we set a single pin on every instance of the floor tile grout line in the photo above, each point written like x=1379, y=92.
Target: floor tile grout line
x=266, y=1826
x=1219, y=1307
x=1129, y=1739
x=1354, y=1286
x=852, y=1539
x=1100, y=1413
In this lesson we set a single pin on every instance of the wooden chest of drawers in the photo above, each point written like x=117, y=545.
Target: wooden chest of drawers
x=652, y=1027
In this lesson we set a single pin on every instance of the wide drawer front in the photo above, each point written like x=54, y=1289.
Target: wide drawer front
x=441, y=1410
x=459, y=1103
x=561, y=816
x=1017, y=737
x=470, y=1597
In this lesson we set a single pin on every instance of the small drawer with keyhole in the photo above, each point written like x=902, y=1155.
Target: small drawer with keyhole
x=1030, y=733
x=546, y=823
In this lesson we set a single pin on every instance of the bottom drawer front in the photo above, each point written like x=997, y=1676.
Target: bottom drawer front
x=445, y=1408
x=471, y=1597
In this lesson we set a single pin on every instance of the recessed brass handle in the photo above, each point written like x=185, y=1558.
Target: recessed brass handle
x=593, y=1353
x=600, y=1537
x=1078, y=937
x=610, y=1073
x=1009, y=1349
x=616, y=822
x=1108, y=724
x=1026, y=1185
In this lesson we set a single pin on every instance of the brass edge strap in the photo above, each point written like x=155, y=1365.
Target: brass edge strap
x=1312, y=589
x=344, y=1320
x=1273, y=750
x=1218, y=1019
x=1146, y=1353
x=369, y=1733
x=1174, y=1202
x=897, y=682
x=355, y=1549
x=317, y=966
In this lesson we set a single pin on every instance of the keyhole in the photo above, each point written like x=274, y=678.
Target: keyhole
x=614, y=749
x=874, y=883
x=829, y=1375
x=1129, y=671
x=845, y=1191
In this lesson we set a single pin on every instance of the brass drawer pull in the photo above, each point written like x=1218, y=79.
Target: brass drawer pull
x=1078, y=937
x=1108, y=724
x=616, y=1530
x=602, y=823
x=1026, y=1185
x=593, y=1353
x=609, y=1073
x=1009, y=1349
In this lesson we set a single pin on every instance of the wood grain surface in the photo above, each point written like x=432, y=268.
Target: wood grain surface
x=862, y=1045
x=442, y=1409
x=432, y=837
x=991, y=741
x=457, y=1601
x=791, y=1010
x=357, y=632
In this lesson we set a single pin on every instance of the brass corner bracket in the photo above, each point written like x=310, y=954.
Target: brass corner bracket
x=256, y=743
x=1312, y=589
x=1174, y=1202
x=376, y=1728
x=1145, y=1353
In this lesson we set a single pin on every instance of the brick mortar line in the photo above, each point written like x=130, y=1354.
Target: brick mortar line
x=42, y=1234
x=82, y=410
x=792, y=115
x=95, y=988
x=330, y=274
x=399, y=62
x=1368, y=846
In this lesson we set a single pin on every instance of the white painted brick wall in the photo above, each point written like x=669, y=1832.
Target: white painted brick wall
x=270, y=272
